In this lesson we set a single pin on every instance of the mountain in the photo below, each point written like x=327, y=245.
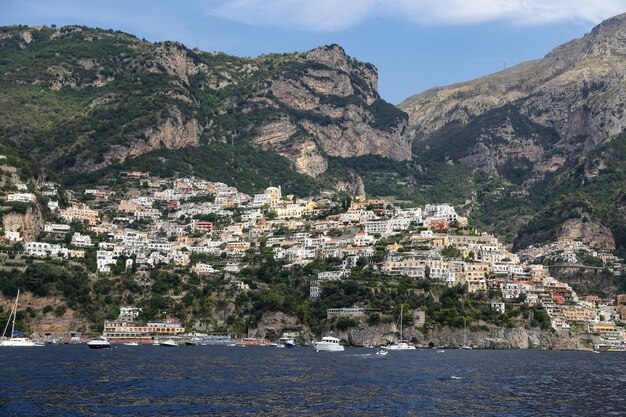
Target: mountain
x=84, y=100
x=534, y=116
x=510, y=149
x=548, y=126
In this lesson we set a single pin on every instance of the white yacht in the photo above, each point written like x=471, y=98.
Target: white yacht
x=15, y=341
x=19, y=342
x=401, y=344
x=288, y=342
x=99, y=343
x=328, y=344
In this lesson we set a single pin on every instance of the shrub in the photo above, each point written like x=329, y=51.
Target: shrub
x=60, y=311
x=344, y=323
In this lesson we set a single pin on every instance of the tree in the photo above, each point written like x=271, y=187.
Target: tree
x=451, y=252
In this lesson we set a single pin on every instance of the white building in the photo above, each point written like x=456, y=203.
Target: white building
x=440, y=212
x=81, y=241
x=345, y=312
x=498, y=305
x=56, y=228
x=445, y=275
x=13, y=236
x=203, y=269
x=510, y=290
x=44, y=250
x=363, y=239
x=240, y=285
x=260, y=200
x=22, y=197
x=411, y=267
x=104, y=260
x=129, y=313
x=380, y=227
x=315, y=288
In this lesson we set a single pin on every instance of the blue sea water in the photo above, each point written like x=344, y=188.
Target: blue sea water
x=71, y=380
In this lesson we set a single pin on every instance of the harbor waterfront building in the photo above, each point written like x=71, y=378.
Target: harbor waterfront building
x=118, y=329
x=345, y=312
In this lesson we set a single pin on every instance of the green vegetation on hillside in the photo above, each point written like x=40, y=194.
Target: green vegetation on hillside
x=243, y=166
x=598, y=179
x=453, y=141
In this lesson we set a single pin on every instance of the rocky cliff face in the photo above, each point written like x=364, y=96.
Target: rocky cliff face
x=28, y=224
x=588, y=229
x=490, y=338
x=504, y=338
x=334, y=97
x=535, y=116
x=572, y=219
x=124, y=97
x=49, y=322
x=587, y=280
x=271, y=327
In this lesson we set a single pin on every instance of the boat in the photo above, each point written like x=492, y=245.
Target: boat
x=13, y=341
x=214, y=340
x=250, y=341
x=465, y=346
x=19, y=342
x=131, y=344
x=288, y=343
x=168, y=343
x=99, y=343
x=401, y=344
x=382, y=352
x=610, y=347
x=328, y=344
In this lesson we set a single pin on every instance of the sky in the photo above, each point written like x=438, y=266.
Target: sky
x=415, y=44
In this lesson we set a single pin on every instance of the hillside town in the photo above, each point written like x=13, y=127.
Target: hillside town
x=142, y=222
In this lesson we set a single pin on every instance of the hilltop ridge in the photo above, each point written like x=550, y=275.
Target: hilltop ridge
x=104, y=97
x=548, y=126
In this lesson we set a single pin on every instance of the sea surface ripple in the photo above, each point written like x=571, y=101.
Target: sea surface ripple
x=71, y=380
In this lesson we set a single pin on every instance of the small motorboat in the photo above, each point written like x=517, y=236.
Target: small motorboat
x=131, y=344
x=168, y=343
x=382, y=352
x=289, y=343
x=99, y=343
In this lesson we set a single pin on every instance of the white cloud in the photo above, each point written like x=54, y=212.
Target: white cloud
x=331, y=15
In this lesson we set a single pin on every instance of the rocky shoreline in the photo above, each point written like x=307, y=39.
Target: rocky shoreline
x=484, y=337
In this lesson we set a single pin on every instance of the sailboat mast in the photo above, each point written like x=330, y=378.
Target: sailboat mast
x=14, y=314
x=465, y=332
x=7, y=325
x=401, y=310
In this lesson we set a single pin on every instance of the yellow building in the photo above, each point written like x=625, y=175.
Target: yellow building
x=475, y=275
x=577, y=313
x=79, y=214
